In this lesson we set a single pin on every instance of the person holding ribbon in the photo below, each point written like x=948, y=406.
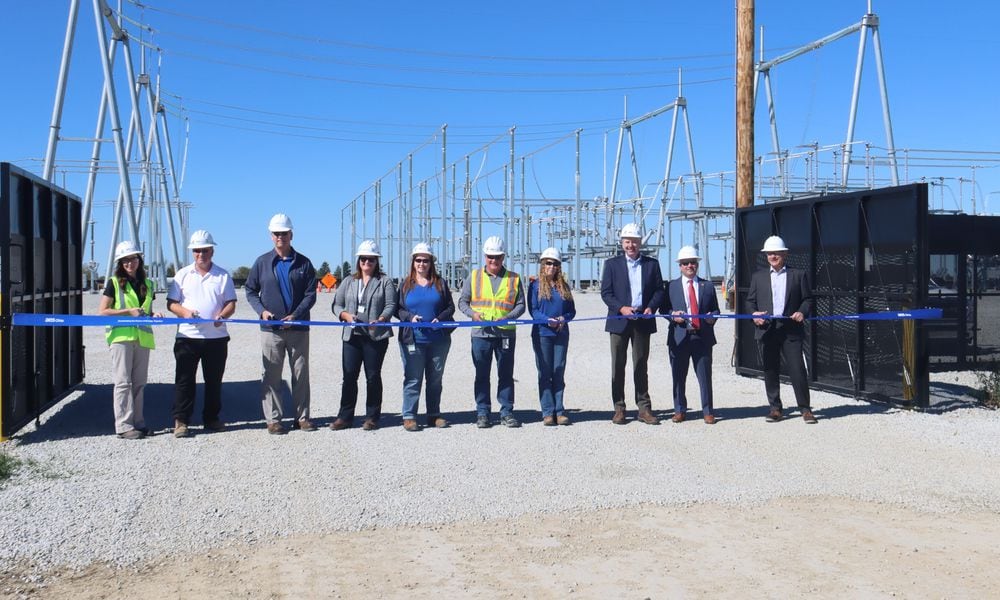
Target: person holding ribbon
x=550, y=298
x=368, y=297
x=493, y=294
x=281, y=287
x=129, y=293
x=780, y=298
x=690, y=339
x=201, y=290
x=424, y=297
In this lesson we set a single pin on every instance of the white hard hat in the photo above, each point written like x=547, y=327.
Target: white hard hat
x=550, y=253
x=280, y=222
x=126, y=248
x=774, y=244
x=422, y=248
x=368, y=248
x=201, y=239
x=687, y=253
x=494, y=245
x=631, y=230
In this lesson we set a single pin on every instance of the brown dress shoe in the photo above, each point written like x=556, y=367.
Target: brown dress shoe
x=774, y=416
x=276, y=429
x=215, y=425
x=306, y=425
x=549, y=421
x=340, y=424
x=710, y=419
x=562, y=420
x=808, y=417
x=369, y=425
x=408, y=424
x=619, y=418
x=647, y=417
x=677, y=418
x=438, y=422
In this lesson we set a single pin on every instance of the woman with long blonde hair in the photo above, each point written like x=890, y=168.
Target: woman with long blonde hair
x=550, y=298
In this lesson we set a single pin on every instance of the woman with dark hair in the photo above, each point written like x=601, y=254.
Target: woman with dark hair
x=550, y=298
x=129, y=294
x=368, y=297
x=424, y=297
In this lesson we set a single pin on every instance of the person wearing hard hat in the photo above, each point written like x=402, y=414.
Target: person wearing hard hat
x=631, y=286
x=201, y=290
x=129, y=293
x=550, y=298
x=281, y=287
x=783, y=292
x=690, y=340
x=493, y=294
x=369, y=296
x=424, y=297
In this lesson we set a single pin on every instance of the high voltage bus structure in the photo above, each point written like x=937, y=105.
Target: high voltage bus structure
x=447, y=206
x=148, y=136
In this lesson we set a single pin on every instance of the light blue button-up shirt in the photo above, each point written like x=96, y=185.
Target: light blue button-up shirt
x=635, y=280
x=778, y=280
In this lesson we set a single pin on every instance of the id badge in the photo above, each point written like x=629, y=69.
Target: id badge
x=361, y=308
x=505, y=343
x=411, y=348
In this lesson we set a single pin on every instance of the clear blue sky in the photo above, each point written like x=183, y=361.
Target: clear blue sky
x=299, y=106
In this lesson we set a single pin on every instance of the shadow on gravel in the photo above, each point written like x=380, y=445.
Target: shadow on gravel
x=90, y=414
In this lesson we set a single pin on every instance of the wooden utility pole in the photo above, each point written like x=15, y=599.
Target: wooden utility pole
x=744, y=102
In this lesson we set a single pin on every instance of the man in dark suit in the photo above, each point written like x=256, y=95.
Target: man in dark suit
x=631, y=285
x=691, y=340
x=782, y=291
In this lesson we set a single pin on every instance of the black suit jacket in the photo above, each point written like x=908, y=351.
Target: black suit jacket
x=798, y=298
x=616, y=292
x=675, y=299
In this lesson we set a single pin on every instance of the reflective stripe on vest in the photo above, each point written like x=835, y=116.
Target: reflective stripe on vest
x=127, y=298
x=493, y=305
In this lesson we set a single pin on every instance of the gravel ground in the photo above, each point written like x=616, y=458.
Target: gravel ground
x=88, y=497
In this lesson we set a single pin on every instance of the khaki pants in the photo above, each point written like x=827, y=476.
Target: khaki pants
x=129, y=365
x=275, y=345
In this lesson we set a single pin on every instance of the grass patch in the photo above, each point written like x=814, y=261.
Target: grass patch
x=8, y=465
x=990, y=391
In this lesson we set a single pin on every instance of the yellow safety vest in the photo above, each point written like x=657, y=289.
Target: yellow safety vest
x=127, y=298
x=493, y=305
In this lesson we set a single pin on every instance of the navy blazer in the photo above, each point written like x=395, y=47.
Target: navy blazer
x=798, y=298
x=676, y=299
x=616, y=292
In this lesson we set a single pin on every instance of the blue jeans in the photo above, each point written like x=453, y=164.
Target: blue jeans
x=425, y=360
x=483, y=352
x=550, y=359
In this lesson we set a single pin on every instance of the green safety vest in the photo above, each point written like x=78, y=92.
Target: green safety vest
x=127, y=298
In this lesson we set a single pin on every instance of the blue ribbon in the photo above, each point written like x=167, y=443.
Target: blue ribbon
x=59, y=320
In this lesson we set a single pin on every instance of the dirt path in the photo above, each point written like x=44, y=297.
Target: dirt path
x=821, y=547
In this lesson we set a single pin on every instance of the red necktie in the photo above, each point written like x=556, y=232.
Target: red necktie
x=693, y=301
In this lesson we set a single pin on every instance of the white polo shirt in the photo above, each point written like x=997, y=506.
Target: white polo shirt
x=206, y=294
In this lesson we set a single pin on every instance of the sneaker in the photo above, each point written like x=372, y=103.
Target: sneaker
x=509, y=421
x=132, y=434
x=562, y=420
x=808, y=417
x=773, y=416
x=410, y=425
x=215, y=425
x=181, y=430
x=276, y=428
x=305, y=425
x=483, y=422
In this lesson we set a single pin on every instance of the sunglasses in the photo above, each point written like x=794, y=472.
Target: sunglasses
x=421, y=261
x=201, y=250
x=281, y=233
x=686, y=263
x=550, y=263
x=129, y=259
x=367, y=259
x=494, y=257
